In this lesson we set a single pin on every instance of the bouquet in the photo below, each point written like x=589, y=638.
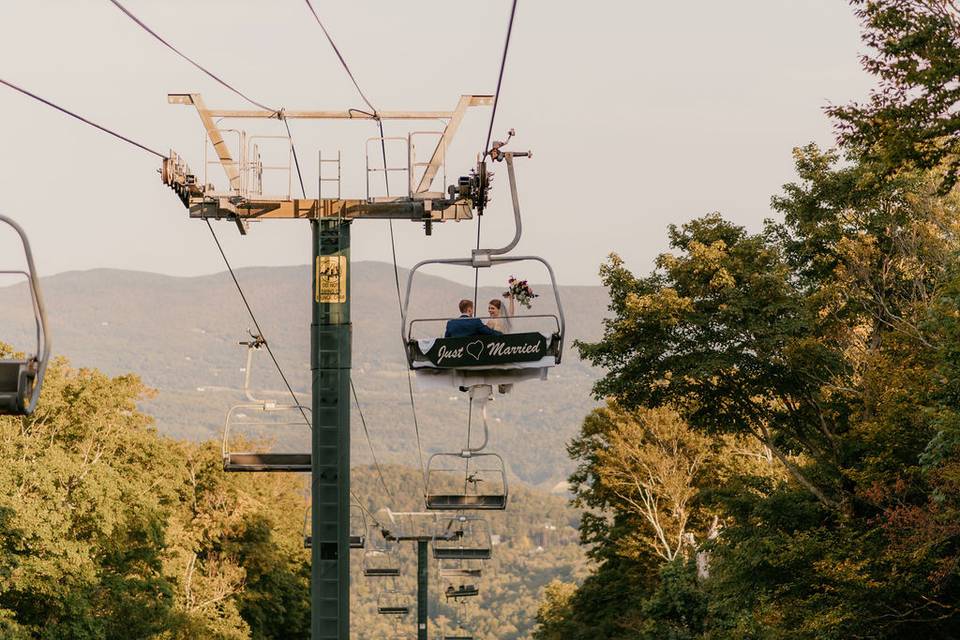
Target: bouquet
x=520, y=291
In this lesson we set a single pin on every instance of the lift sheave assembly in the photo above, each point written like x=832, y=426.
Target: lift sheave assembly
x=22, y=378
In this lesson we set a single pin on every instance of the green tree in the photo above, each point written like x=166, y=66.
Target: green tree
x=910, y=121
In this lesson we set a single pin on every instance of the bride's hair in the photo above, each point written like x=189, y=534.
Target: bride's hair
x=497, y=303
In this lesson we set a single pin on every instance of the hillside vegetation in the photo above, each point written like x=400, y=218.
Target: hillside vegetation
x=110, y=530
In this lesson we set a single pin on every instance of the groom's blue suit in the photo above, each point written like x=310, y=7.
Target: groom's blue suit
x=466, y=326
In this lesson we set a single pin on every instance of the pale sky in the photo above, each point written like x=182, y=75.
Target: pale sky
x=640, y=114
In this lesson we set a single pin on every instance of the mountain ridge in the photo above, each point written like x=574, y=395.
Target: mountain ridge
x=180, y=334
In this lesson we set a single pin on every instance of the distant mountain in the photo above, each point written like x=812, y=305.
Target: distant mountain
x=180, y=335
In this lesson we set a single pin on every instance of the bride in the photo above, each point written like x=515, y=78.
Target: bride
x=500, y=318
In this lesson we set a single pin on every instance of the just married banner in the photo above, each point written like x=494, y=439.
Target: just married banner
x=479, y=351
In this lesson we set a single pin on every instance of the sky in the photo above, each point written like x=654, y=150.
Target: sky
x=639, y=114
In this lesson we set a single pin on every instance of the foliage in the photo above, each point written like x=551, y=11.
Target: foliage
x=910, y=120
x=825, y=343
x=109, y=530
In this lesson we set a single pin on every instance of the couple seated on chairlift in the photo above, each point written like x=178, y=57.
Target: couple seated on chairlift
x=466, y=325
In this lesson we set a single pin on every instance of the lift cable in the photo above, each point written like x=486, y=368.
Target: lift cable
x=253, y=317
x=296, y=161
x=503, y=65
x=342, y=61
x=365, y=510
x=366, y=432
x=486, y=147
x=188, y=59
x=277, y=112
x=82, y=119
x=393, y=245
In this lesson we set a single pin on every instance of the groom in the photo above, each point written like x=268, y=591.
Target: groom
x=466, y=325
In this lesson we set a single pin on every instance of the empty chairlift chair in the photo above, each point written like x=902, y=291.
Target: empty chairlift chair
x=263, y=435
x=456, y=482
x=22, y=378
x=392, y=602
x=266, y=423
x=464, y=538
x=471, y=478
x=381, y=557
x=358, y=527
x=456, y=631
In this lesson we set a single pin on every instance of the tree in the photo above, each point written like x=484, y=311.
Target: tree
x=910, y=121
x=643, y=466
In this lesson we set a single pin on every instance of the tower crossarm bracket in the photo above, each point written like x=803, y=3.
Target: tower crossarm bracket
x=243, y=209
x=213, y=133
x=436, y=160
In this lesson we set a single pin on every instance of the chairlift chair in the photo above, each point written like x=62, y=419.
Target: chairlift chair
x=381, y=557
x=269, y=417
x=483, y=354
x=457, y=632
x=393, y=602
x=466, y=480
x=263, y=416
x=455, y=592
x=463, y=538
x=460, y=569
x=22, y=378
x=471, y=478
x=358, y=526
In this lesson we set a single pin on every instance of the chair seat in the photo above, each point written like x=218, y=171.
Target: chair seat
x=453, y=553
x=266, y=462
x=378, y=573
x=453, y=502
x=396, y=611
x=10, y=374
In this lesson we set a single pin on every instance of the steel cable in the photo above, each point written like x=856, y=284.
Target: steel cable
x=256, y=323
x=209, y=73
x=82, y=119
x=366, y=432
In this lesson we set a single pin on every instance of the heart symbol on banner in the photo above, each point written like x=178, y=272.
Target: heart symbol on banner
x=475, y=346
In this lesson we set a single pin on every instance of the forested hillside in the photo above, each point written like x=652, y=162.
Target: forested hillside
x=180, y=335
x=109, y=529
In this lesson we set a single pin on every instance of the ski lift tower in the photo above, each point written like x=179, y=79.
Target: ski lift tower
x=243, y=202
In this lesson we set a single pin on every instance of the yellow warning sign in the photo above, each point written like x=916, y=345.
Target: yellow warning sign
x=331, y=279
